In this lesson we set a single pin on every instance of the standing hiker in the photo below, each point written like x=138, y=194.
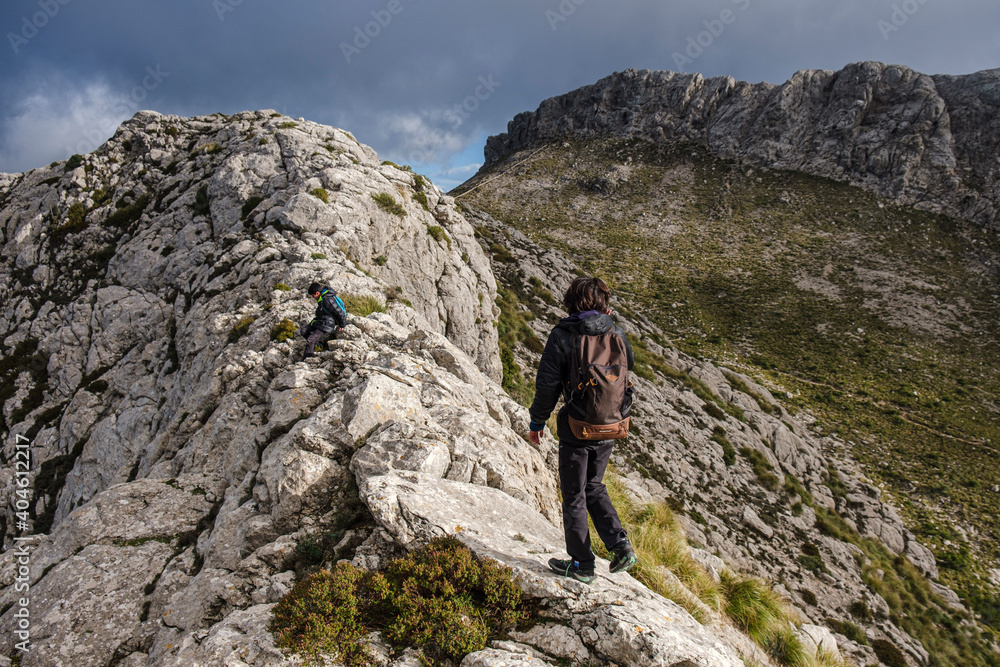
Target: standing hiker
x=330, y=317
x=586, y=360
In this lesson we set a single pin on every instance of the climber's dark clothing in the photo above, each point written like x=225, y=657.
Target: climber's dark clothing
x=581, y=463
x=330, y=314
x=313, y=336
x=330, y=318
x=581, y=471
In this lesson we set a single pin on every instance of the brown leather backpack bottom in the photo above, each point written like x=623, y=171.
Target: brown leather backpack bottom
x=584, y=431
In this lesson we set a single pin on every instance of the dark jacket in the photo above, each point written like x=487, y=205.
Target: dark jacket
x=329, y=313
x=554, y=368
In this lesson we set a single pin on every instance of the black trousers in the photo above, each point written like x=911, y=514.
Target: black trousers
x=581, y=474
x=313, y=336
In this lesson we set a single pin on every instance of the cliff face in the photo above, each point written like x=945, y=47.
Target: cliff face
x=930, y=141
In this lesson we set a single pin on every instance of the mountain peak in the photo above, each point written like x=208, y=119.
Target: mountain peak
x=928, y=141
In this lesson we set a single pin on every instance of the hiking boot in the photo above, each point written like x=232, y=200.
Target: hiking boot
x=623, y=557
x=571, y=569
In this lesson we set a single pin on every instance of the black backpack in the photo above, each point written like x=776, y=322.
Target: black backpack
x=598, y=386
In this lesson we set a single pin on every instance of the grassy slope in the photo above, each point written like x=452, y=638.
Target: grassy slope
x=879, y=319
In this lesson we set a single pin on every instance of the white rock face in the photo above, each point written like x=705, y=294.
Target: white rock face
x=181, y=452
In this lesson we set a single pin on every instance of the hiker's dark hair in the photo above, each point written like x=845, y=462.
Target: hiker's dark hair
x=315, y=287
x=587, y=294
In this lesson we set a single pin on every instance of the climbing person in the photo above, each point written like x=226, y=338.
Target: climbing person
x=330, y=318
x=586, y=360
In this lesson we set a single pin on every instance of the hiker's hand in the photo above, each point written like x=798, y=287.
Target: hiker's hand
x=535, y=437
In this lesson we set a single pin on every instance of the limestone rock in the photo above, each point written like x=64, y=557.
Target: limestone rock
x=917, y=128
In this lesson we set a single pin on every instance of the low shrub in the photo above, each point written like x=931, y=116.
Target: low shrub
x=753, y=607
x=421, y=197
x=320, y=194
x=76, y=221
x=240, y=328
x=438, y=234
x=441, y=599
x=283, y=330
x=388, y=203
x=363, y=305
x=713, y=410
x=125, y=216
x=73, y=162
x=287, y=125
x=761, y=468
x=728, y=451
x=282, y=287
x=318, y=255
x=849, y=630
x=501, y=254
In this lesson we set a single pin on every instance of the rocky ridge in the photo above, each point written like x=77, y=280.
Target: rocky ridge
x=930, y=141
x=181, y=455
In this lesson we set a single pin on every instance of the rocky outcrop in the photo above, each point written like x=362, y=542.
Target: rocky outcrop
x=930, y=141
x=182, y=457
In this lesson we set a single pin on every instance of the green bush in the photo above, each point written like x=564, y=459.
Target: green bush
x=388, y=203
x=282, y=287
x=849, y=630
x=321, y=194
x=287, y=125
x=283, y=330
x=240, y=328
x=125, y=216
x=713, y=410
x=363, y=305
x=381, y=260
x=73, y=162
x=761, y=468
x=728, y=451
x=422, y=198
x=441, y=599
x=76, y=221
x=888, y=654
x=501, y=254
x=318, y=255
x=752, y=606
x=438, y=234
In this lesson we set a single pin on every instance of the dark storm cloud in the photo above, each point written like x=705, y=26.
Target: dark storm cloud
x=422, y=81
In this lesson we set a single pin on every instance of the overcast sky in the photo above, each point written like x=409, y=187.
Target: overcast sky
x=424, y=82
